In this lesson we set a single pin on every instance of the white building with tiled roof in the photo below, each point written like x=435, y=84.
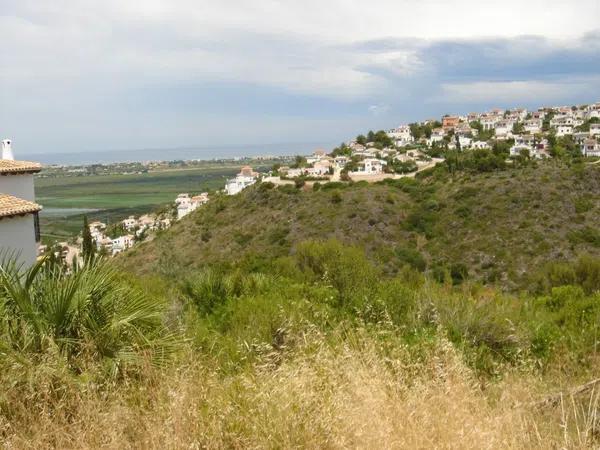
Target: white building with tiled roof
x=19, y=224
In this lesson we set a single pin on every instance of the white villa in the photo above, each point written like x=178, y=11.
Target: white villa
x=186, y=204
x=533, y=126
x=246, y=177
x=317, y=156
x=563, y=129
x=437, y=135
x=401, y=135
x=130, y=223
x=590, y=147
x=122, y=243
x=480, y=145
x=504, y=129
x=19, y=223
x=370, y=166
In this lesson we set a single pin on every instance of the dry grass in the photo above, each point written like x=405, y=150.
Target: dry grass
x=323, y=396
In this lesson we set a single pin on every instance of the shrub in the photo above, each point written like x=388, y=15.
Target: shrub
x=412, y=257
x=583, y=205
x=333, y=185
x=266, y=186
x=336, y=197
x=288, y=189
x=585, y=235
x=91, y=312
x=459, y=272
x=345, y=268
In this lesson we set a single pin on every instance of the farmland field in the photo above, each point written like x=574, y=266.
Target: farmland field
x=113, y=197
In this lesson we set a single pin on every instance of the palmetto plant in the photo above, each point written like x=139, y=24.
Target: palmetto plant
x=91, y=312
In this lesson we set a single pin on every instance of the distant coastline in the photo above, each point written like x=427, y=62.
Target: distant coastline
x=170, y=154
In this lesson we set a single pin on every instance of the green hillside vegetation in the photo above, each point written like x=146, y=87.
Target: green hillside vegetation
x=502, y=226
x=324, y=351
x=349, y=315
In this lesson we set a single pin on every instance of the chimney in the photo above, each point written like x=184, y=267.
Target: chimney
x=7, y=150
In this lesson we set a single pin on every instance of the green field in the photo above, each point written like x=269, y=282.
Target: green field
x=113, y=197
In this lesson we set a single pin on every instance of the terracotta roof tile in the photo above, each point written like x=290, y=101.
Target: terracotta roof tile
x=10, y=166
x=14, y=206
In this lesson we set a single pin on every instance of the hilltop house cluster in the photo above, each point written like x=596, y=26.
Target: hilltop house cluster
x=134, y=229
x=528, y=129
x=185, y=204
x=358, y=160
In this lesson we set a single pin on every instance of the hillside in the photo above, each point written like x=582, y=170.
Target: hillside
x=497, y=227
x=248, y=330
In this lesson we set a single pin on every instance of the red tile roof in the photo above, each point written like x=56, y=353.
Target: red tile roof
x=8, y=166
x=13, y=206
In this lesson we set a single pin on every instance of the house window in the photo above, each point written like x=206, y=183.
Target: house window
x=36, y=226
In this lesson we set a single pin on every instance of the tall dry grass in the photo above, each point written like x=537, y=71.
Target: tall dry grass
x=326, y=393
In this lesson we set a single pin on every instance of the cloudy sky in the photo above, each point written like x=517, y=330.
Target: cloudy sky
x=84, y=75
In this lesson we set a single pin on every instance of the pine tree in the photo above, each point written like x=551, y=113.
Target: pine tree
x=87, y=247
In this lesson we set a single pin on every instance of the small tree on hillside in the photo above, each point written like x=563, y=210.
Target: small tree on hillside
x=87, y=246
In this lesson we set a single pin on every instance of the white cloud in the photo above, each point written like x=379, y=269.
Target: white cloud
x=299, y=46
x=66, y=60
x=516, y=92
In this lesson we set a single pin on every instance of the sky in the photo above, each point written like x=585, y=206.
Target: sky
x=87, y=76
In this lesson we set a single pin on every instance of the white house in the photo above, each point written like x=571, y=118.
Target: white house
x=592, y=113
x=533, y=126
x=480, y=145
x=130, y=223
x=401, y=135
x=594, y=129
x=489, y=122
x=437, y=135
x=590, y=147
x=465, y=141
x=316, y=156
x=370, y=166
x=186, y=204
x=504, y=129
x=19, y=223
x=562, y=119
x=341, y=161
x=519, y=113
x=564, y=129
x=122, y=243
x=246, y=177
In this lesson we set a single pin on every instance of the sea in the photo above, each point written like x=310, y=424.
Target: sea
x=173, y=154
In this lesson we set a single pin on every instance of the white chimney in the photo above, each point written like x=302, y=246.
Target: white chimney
x=7, y=150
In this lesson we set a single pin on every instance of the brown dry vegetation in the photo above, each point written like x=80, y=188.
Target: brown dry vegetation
x=327, y=396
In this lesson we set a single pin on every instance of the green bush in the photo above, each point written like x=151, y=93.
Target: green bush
x=586, y=235
x=344, y=267
x=412, y=257
x=336, y=197
x=90, y=313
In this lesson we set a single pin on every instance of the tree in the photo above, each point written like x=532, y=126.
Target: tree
x=299, y=162
x=518, y=127
x=87, y=246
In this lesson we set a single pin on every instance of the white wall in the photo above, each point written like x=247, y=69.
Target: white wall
x=20, y=185
x=17, y=235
